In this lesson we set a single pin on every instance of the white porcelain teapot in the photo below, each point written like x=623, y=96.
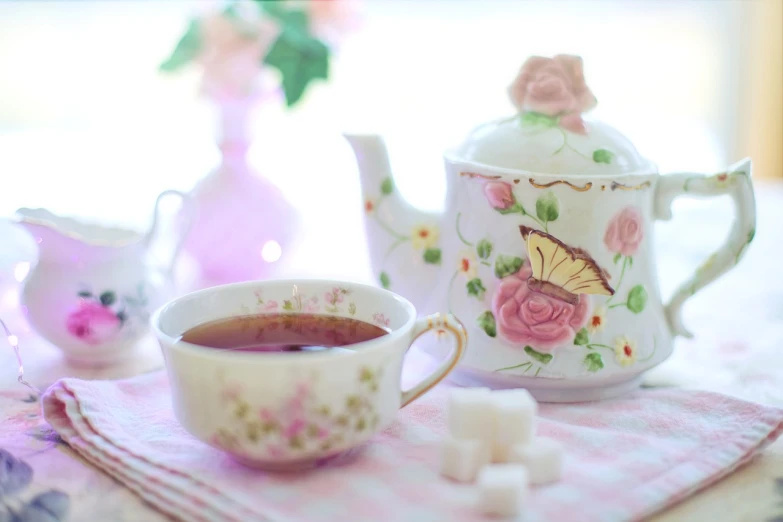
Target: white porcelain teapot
x=544, y=251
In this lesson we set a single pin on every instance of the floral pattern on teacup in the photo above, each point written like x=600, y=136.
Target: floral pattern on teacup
x=302, y=424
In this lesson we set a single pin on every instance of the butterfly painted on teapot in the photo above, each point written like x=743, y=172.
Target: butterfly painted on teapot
x=544, y=250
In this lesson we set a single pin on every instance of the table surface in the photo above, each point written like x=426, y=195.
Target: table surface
x=738, y=323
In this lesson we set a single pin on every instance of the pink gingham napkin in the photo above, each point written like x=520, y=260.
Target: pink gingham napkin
x=626, y=458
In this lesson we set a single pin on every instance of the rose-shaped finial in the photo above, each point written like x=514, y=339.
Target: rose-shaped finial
x=554, y=87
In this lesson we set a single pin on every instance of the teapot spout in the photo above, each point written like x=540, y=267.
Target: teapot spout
x=404, y=242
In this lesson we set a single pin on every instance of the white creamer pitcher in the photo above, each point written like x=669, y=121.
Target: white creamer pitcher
x=93, y=288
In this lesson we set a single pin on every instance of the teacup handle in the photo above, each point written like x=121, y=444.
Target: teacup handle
x=188, y=209
x=437, y=322
x=736, y=183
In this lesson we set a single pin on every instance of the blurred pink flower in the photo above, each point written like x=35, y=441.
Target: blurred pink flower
x=232, y=53
x=330, y=19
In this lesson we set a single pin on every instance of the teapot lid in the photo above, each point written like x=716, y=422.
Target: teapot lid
x=548, y=134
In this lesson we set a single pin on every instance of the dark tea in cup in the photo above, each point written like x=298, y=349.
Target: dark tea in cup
x=271, y=333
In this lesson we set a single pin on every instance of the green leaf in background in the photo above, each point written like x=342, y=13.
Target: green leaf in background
x=186, y=49
x=487, y=323
x=617, y=257
x=484, y=249
x=387, y=186
x=602, y=156
x=535, y=119
x=581, y=338
x=384, y=279
x=432, y=256
x=543, y=358
x=298, y=56
x=593, y=362
x=547, y=207
x=637, y=299
x=507, y=265
x=476, y=288
x=85, y=293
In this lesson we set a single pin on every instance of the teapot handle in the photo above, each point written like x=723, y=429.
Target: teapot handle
x=736, y=183
x=188, y=213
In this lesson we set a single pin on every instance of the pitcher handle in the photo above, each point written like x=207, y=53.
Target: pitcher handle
x=436, y=322
x=736, y=183
x=188, y=211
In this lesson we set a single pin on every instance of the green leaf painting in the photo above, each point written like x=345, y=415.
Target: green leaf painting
x=384, y=279
x=108, y=298
x=432, y=256
x=536, y=119
x=487, y=323
x=581, y=338
x=476, y=288
x=543, y=358
x=617, y=257
x=547, y=207
x=484, y=249
x=387, y=186
x=507, y=265
x=602, y=156
x=593, y=362
x=637, y=299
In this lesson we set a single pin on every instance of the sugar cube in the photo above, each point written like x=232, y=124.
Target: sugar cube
x=515, y=415
x=500, y=453
x=470, y=414
x=543, y=459
x=461, y=459
x=502, y=489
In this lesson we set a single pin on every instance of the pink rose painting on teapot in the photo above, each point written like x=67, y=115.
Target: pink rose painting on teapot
x=544, y=250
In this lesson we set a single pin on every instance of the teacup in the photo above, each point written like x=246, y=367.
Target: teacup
x=292, y=410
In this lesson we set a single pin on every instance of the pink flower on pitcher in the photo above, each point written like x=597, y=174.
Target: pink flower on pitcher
x=554, y=87
x=525, y=317
x=499, y=194
x=93, y=323
x=271, y=305
x=625, y=232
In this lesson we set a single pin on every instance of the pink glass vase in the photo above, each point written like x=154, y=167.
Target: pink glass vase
x=245, y=226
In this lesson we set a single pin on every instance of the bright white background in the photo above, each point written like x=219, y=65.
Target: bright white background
x=89, y=127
